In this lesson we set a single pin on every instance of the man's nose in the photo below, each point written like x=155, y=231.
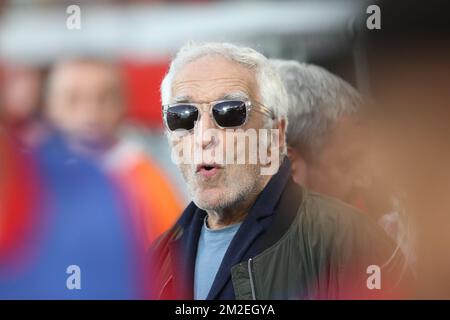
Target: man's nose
x=205, y=136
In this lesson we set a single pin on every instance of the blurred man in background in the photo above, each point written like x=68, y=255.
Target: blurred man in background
x=85, y=101
x=325, y=141
x=330, y=145
x=60, y=213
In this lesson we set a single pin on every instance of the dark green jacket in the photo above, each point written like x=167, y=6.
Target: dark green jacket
x=294, y=244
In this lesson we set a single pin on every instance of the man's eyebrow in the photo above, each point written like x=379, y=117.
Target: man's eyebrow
x=238, y=95
x=182, y=99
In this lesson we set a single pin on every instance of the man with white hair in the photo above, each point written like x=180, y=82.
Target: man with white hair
x=250, y=233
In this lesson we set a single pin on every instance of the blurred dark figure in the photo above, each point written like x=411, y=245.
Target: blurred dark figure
x=409, y=63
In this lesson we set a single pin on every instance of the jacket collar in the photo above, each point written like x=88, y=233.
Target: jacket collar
x=183, y=250
x=241, y=247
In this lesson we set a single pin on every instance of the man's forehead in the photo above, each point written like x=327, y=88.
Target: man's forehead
x=213, y=66
x=213, y=76
x=84, y=75
x=213, y=89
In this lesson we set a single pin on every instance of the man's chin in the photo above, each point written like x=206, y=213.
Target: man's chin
x=210, y=199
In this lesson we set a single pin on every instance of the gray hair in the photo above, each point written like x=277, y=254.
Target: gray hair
x=317, y=100
x=271, y=90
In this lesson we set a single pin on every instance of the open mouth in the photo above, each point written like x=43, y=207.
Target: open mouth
x=208, y=170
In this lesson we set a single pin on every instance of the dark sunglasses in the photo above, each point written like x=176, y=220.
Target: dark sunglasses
x=225, y=113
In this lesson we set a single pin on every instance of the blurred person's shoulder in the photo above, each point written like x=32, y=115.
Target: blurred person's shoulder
x=125, y=154
x=345, y=228
x=339, y=237
x=332, y=219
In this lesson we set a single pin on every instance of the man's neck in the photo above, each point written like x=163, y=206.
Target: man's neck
x=220, y=220
x=228, y=216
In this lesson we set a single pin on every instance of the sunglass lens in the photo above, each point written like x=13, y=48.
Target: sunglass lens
x=181, y=117
x=230, y=113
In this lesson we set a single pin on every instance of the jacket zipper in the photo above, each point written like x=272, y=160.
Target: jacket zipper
x=250, y=273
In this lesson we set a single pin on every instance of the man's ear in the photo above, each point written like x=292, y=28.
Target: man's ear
x=299, y=168
x=293, y=156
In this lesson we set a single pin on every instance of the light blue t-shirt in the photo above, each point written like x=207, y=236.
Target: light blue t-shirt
x=212, y=245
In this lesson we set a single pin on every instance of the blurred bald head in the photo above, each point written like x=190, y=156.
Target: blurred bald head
x=85, y=99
